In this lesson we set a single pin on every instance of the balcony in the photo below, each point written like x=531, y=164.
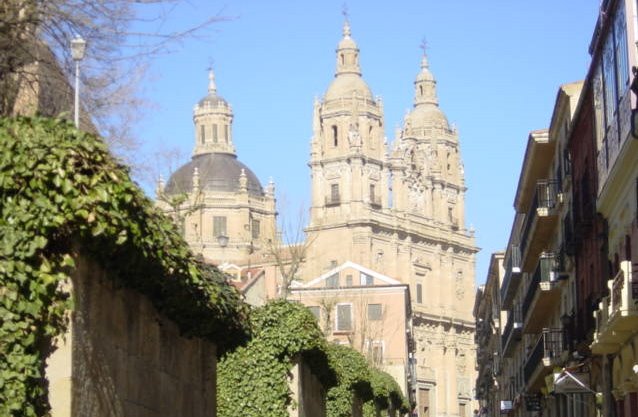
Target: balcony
x=512, y=276
x=333, y=200
x=375, y=202
x=617, y=317
x=540, y=221
x=543, y=357
x=543, y=293
x=512, y=332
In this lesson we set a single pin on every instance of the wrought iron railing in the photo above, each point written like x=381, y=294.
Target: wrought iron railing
x=545, y=197
x=512, y=266
x=548, y=346
x=514, y=322
x=545, y=272
x=333, y=200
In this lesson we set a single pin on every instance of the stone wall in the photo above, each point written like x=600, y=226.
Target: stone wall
x=120, y=357
x=308, y=392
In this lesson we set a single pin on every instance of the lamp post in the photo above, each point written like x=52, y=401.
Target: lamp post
x=78, y=47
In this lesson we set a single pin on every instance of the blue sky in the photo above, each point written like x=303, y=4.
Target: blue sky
x=498, y=64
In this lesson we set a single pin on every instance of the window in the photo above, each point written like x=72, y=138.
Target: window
x=348, y=280
x=344, y=317
x=375, y=351
x=316, y=311
x=255, y=229
x=334, y=193
x=373, y=196
x=599, y=105
x=215, y=133
x=609, y=82
x=375, y=312
x=335, y=139
x=462, y=410
x=219, y=226
x=202, y=133
x=332, y=281
x=620, y=49
x=419, y=293
x=611, y=78
x=366, y=279
x=424, y=402
x=226, y=133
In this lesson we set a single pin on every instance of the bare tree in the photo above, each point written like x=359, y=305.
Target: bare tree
x=289, y=248
x=34, y=48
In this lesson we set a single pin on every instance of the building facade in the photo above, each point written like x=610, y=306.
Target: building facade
x=571, y=258
x=489, y=317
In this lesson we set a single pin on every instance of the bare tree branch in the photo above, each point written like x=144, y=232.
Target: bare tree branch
x=122, y=37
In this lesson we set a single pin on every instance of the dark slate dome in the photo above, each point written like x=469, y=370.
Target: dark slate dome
x=217, y=172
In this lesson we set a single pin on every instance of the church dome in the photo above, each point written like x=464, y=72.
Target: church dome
x=426, y=116
x=217, y=172
x=346, y=85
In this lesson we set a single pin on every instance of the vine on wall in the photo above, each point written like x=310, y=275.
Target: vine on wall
x=62, y=195
x=253, y=380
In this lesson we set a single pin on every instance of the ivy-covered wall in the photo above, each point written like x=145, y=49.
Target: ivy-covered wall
x=63, y=195
x=253, y=381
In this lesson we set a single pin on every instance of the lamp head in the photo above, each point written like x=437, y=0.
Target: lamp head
x=78, y=47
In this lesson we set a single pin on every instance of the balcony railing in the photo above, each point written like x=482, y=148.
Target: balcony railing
x=548, y=347
x=544, y=275
x=545, y=200
x=333, y=200
x=624, y=292
x=512, y=330
x=617, y=317
x=512, y=276
x=375, y=202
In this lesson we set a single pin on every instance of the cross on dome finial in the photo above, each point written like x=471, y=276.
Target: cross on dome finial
x=346, y=20
x=424, y=59
x=212, y=88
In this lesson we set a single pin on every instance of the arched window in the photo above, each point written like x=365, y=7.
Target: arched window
x=421, y=90
x=335, y=138
x=343, y=59
x=215, y=133
x=202, y=134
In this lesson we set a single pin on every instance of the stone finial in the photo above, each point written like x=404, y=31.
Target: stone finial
x=243, y=181
x=346, y=28
x=196, y=179
x=270, y=188
x=159, y=189
x=212, y=87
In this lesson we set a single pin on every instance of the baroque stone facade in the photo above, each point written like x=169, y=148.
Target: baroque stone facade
x=398, y=210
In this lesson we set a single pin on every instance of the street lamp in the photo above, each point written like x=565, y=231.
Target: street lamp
x=78, y=47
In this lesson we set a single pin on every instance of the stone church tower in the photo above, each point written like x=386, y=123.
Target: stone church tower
x=225, y=213
x=399, y=212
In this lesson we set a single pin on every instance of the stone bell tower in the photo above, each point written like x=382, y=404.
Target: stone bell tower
x=426, y=165
x=348, y=149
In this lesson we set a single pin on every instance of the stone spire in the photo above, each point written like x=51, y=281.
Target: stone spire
x=347, y=53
